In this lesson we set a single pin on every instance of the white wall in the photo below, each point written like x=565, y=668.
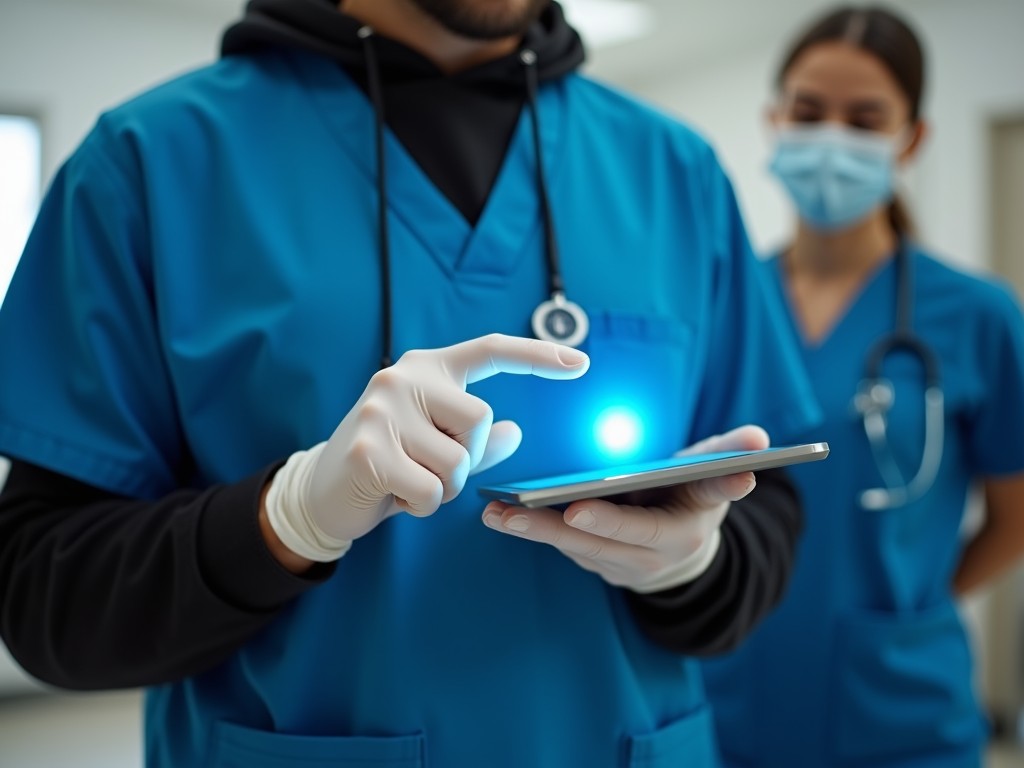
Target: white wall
x=65, y=61
x=976, y=73
x=978, y=57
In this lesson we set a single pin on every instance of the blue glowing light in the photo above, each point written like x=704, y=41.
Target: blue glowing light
x=619, y=432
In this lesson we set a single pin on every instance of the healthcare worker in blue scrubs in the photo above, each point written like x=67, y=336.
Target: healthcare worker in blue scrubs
x=919, y=369
x=256, y=361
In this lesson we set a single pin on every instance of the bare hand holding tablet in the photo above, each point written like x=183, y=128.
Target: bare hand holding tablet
x=561, y=489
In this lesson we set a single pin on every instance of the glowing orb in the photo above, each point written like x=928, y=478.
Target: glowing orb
x=619, y=431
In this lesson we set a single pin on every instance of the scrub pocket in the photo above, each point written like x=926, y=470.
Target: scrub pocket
x=235, y=746
x=689, y=743
x=902, y=687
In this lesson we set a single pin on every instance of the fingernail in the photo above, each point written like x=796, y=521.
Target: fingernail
x=492, y=519
x=583, y=519
x=519, y=523
x=750, y=486
x=570, y=357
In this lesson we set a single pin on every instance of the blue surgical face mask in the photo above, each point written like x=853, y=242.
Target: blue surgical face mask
x=835, y=175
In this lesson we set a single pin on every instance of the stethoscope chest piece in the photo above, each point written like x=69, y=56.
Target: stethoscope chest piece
x=561, y=321
x=874, y=396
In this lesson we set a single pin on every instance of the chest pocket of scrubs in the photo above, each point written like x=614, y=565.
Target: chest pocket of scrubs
x=237, y=747
x=687, y=742
x=902, y=687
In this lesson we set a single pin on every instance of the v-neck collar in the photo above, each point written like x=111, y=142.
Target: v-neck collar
x=511, y=216
x=871, y=284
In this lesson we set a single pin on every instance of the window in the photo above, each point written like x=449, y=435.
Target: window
x=20, y=181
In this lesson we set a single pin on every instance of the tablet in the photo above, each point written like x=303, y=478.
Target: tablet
x=561, y=489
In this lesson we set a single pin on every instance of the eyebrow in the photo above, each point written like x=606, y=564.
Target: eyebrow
x=807, y=99
x=869, y=106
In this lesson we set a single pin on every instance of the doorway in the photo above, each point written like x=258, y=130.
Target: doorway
x=1003, y=652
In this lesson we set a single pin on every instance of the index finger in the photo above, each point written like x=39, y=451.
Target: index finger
x=486, y=356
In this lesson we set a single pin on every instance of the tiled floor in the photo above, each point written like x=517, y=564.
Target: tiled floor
x=102, y=731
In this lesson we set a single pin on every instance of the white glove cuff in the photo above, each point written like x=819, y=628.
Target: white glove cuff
x=287, y=513
x=686, y=570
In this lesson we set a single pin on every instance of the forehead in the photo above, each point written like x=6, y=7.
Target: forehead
x=842, y=71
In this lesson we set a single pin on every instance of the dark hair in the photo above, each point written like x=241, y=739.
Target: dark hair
x=891, y=40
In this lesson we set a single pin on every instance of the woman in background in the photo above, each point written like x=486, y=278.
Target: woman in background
x=919, y=369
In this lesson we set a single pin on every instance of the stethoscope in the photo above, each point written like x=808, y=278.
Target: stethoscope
x=875, y=397
x=557, y=319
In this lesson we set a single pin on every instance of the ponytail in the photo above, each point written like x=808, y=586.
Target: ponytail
x=900, y=220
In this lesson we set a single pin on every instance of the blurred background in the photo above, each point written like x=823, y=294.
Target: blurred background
x=710, y=62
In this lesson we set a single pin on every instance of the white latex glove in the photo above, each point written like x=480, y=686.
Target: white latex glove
x=409, y=443
x=646, y=548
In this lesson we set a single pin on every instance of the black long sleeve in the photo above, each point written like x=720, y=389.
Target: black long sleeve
x=99, y=591
x=747, y=578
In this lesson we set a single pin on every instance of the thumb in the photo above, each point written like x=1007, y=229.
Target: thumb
x=745, y=438
x=502, y=442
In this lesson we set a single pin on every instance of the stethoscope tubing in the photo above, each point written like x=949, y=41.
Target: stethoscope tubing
x=875, y=396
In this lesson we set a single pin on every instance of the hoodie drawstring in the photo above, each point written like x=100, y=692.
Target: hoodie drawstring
x=529, y=59
x=377, y=98
x=556, y=286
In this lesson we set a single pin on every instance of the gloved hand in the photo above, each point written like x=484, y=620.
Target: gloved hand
x=642, y=548
x=409, y=443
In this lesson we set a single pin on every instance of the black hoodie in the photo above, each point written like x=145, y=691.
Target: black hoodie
x=98, y=591
x=456, y=127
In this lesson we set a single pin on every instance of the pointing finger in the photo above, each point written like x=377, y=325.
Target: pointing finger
x=487, y=356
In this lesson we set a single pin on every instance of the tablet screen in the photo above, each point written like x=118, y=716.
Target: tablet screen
x=608, y=481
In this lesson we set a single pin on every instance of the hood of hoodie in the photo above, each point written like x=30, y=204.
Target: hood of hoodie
x=456, y=127
x=319, y=27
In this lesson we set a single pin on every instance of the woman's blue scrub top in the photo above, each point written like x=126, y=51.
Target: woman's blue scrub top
x=866, y=662
x=202, y=290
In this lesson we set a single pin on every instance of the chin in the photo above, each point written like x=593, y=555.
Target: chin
x=484, y=19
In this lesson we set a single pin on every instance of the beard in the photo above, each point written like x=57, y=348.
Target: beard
x=484, y=19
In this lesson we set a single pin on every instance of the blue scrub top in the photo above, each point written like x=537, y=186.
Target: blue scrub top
x=866, y=662
x=202, y=290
